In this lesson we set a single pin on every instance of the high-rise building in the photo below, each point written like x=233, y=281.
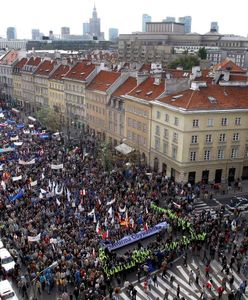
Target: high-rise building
x=187, y=23
x=169, y=19
x=214, y=27
x=65, y=31
x=145, y=19
x=95, y=25
x=113, y=34
x=36, y=35
x=86, y=28
x=11, y=33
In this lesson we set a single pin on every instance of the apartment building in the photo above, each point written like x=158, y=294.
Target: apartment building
x=116, y=112
x=98, y=95
x=56, y=94
x=41, y=83
x=28, y=87
x=75, y=81
x=17, y=82
x=200, y=134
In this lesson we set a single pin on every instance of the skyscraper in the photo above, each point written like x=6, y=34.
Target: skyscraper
x=36, y=36
x=187, y=23
x=65, y=31
x=169, y=19
x=95, y=24
x=11, y=33
x=86, y=28
x=113, y=34
x=214, y=27
x=145, y=19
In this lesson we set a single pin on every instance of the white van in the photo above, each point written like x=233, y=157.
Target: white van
x=6, y=291
x=6, y=260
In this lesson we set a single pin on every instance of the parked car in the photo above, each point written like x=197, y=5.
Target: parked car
x=6, y=260
x=239, y=203
x=6, y=291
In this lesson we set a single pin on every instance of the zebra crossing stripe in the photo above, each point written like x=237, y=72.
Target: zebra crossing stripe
x=185, y=275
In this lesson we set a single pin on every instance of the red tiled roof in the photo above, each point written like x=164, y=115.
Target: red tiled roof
x=228, y=64
x=147, y=90
x=225, y=98
x=21, y=63
x=45, y=68
x=33, y=61
x=145, y=67
x=235, y=77
x=178, y=73
x=126, y=87
x=9, y=58
x=80, y=71
x=60, y=72
x=103, y=80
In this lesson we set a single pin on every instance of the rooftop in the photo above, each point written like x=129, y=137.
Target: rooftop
x=103, y=80
x=80, y=71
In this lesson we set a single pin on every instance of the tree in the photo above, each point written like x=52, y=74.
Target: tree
x=106, y=157
x=202, y=53
x=49, y=118
x=185, y=61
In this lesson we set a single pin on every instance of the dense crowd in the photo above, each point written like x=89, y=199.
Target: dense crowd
x=78, y=208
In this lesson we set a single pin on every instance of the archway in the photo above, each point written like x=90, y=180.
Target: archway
x=156, y=164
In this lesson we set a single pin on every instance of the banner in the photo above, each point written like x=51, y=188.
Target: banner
x=23, y=162
x=57, y=167
x=138, y=236
x=14, y=139
x=9, y=149
x=33, y=183
x=17, y=178
x=34, y=238
x=18, y=143
x=18, y=196
x=1, y=167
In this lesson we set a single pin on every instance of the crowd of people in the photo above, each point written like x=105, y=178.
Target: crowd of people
x=60, y=209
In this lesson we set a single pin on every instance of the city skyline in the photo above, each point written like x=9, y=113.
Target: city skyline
x=50, y=16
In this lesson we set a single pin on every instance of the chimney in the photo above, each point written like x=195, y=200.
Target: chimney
x=140, y=77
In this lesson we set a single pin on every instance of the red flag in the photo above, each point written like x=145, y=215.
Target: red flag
x=98, y=229
x=105, y=235
x=145, y=227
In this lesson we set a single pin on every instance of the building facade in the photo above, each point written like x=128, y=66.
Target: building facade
x=36, y=35
x=113, y=34
x=95, y=25
x=187, y=20
x=164, y=27
x=145, y=19
x=17, y=82
x=11, y=33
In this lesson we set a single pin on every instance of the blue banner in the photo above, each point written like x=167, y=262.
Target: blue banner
x=129, y=239
x=19, y=195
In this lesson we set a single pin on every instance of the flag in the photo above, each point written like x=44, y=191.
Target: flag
x=146, y=210
x=177, y=205
x=19, y=195
x=33, y=183
x=50, y=185
x=110, y=202
x=58, y=202
x=93, y=252
x=91, y=213
x=42, y=176
x=113, y=220
x=57, y=167
x=105, y=235
x=3, y=184
x=98, y=229
x=68, y=194
x=106, y=222
x=140, y=220
x=145, y=227
x=110, y=211
x=94, y=220
x=34, y=238
x=17, y=178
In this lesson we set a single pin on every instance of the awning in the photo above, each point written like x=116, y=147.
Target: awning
x=124, y=149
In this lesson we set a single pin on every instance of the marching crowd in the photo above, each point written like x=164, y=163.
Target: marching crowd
x=59, y=208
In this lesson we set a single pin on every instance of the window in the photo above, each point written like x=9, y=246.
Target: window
x=166, y=133
x=157, y=130
x=234, y=153
x=158, y=114
x=207, y=155
x=175, y=137
x=157, y=143
x=174, y=152
x=195, y=123
x=208, y=138
x=165, y=148
x=210, y=122
x=222, y=137
x=166, y=118
x=235, y=137
x=194, y=139
x=224, y=121
x=176, y=121
x=220, y=154
x=192, y=156
x=238, y=121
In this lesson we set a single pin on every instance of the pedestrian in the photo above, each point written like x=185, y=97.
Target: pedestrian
x=191, y=277
x=149, y=282
x=231, y=281
x=155, y=280
x=220, y=291
x=172, y=278
x=134, y=294
x=197, y=275
x=207, y=270
x=145, y=286
x=178, y=291
x=138, y=274
x=166, y=294
x=185, y=257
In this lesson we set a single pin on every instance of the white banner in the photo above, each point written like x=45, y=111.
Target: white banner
x=14, y=139
x=33, y=183
x=18, y=143
x=53, y=241
x=17, y=178
x=57, y=167
x=1, y=167
x=34, y=238
x=23, y=162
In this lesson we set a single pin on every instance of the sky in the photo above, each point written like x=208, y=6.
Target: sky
x=125, y=15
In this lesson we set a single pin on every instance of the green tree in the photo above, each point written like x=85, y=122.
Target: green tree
x=49, y=118
x=185, y=61
x=202, y=53
x=106, y=157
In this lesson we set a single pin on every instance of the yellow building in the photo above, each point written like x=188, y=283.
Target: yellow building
x=200, y=134
x=17, y=81
x=56, y=95
x=138, y=114
x=41, y=83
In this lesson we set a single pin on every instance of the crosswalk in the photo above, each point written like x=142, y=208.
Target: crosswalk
x=199, y=205
x=188, y=291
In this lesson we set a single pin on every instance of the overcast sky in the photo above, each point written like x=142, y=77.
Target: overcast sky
x=126, y=15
